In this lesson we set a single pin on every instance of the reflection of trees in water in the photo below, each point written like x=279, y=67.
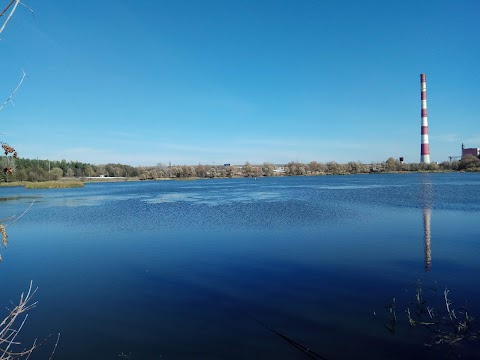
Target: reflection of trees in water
x=427, y=213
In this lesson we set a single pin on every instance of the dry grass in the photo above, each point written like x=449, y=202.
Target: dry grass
x=12, y=183
x=12, y=324
x=53, y=184
x=441, y=323
x=45, y=184
x=10, y=328
x=4, y=242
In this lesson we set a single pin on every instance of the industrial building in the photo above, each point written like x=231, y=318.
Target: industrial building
x=470, y=151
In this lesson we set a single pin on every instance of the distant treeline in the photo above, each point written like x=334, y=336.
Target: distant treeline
x=42, y=170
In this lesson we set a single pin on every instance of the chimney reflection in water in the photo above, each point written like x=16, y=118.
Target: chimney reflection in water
x=427, y=213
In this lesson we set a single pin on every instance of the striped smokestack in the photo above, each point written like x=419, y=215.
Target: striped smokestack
x=424, y=150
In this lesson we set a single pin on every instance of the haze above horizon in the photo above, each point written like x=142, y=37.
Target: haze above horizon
x=219, y=81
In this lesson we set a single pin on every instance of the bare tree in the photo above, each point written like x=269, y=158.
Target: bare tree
x=268, y=169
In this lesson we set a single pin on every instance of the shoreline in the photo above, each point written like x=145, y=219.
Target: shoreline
x=79, y=182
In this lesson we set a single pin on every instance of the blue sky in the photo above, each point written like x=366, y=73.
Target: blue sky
x=224, y=81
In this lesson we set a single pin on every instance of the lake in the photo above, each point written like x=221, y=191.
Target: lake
x=209, y=269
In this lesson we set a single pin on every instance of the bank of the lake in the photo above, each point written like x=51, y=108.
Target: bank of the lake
x=44, y=184
x=178, y=268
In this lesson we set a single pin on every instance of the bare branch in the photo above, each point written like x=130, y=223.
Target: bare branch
x=6, y=8
x=29, y=9
x=11, y=13
x=54, y=348
x=18, y=217
x=9, y=331
x=9, y=222
x=14, y=91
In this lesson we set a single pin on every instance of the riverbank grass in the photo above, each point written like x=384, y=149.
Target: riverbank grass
x=45, y=184
x=54, y=184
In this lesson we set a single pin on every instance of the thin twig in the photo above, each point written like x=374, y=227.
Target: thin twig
x=11, y=13
x=448, y=303
x=33, y=346
x=430, y=312
x=10, y=342
x=8, y=333
x=29, y=9
x=14, y=91
x=55, y=347
x=19, y=217
x=6, y=8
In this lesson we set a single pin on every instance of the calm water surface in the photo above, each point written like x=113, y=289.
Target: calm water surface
x=181, y=269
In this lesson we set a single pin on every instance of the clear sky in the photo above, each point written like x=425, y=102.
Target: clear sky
x=230, y=81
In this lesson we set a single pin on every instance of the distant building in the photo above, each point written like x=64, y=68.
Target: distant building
x=470, y=151
x=279, y=170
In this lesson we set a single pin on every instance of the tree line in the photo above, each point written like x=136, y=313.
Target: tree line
x=22, y=169
x=43, y=170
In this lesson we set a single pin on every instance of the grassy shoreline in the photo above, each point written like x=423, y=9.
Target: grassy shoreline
x=78, y=183
x=45, y=184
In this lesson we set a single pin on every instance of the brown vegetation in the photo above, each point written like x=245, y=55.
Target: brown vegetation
x=44, y=170
x=436, y=319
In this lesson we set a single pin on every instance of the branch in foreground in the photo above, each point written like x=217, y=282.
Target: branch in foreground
x=9, y=222
x=9, y=329
x=9, y=15
x=14, y=91
x=16, y=2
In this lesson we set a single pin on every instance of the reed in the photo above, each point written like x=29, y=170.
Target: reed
x=12, y=183
x=444, y=324
x=53, y=185
x=12, y=324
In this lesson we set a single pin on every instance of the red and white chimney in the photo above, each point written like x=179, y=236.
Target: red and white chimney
x=425, y=149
